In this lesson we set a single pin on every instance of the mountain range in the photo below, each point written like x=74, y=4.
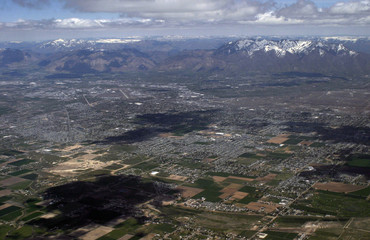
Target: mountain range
x=327, y=56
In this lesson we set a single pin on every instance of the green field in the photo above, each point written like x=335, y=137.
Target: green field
x=122, y=148
x=336, y=204
x=9, y=152
x=253, y=195
x=32, y=176
x=272, y=235
x=362, y=193
x=146, y=166
x=317, y=144
x=359, y=160
x=224, y=222
x=134, y=160
x=17, y=173
x=211, y=192
x=224, y=174
x=21, y=162
x=21, y=233
x=114, y=166
x=32, y=216
x=294, y=221
x=293, y=141
x=4, y=199
x=278, y=155
x=128, y=226
x=11, y=216
x=4, y=229
x=250, y=155
x=20, y=185
x=9, y=210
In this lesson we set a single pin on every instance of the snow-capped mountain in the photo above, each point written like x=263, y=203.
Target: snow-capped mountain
x=267, y=55
x=282, y=48
x=75, y=44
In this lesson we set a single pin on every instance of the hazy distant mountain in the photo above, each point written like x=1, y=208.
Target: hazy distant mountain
x=353, y=43
x=335, y=56
x=11, y=57
x=144, y=45
x=88, y=61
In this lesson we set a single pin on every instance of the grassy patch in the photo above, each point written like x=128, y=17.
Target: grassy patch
x=11, y=216
x=317, y=144
x=4, y=199
x=359, y=160
x=114, y=166
x=146, y=166
x=21, y=162
x=9, y=210
x=272, y=235
x=292, y=141
x=247, y=233
x=202, y=143
x=248, y=199
x=192, y=164
x=123, y=148
x=278, y=155
x=17, y=173
x=22, y=233
x=107, y=157
x=128, y=226
x=248, y=189
x=253, y=195
x=9, y=152
x=328, y=234
x=32, y=176
x=4, y=229
x=21, y=185
x=250, y=155
x=224, y=174
x=135, y=160
x=32, y=216
x=362, y=193
x=225, y=222
x=211, y=192
x=163, y=228
x=292, y=221
x=93, y=174
x=338, y=204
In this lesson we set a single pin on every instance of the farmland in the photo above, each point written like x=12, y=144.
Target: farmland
x=159, y=155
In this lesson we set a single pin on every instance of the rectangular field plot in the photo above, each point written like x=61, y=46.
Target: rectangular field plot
x=187, y=192
x=9, y=210
x=338, y=187
x=21, y=162
x=336, y=204
x=272, y=235
x=11, y=181
x=17, y=173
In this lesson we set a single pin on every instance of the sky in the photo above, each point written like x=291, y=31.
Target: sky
x=34, y=20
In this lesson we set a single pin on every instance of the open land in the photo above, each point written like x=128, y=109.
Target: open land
x=154, y=155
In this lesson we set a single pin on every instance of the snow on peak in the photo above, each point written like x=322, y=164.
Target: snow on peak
x=283, y=47
x=78, y=43
x=118, y=40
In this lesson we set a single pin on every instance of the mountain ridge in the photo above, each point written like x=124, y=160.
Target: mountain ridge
x=244, y=55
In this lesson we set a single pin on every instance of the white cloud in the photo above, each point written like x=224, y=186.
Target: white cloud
x=270, y=18
x=351, y=8
x=175, y=10
x=194, y=13
x=78, y=23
